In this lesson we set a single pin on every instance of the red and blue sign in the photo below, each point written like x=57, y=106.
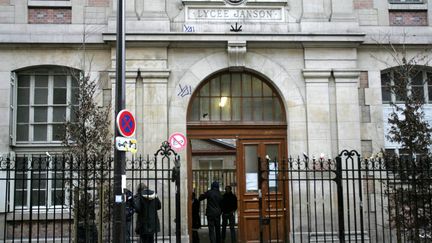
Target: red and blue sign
x=126, y=123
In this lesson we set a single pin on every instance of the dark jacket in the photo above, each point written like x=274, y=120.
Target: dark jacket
x=196, y=219
x=229, y=203
x=146, y=205
x=214, y=199
x=130, y=210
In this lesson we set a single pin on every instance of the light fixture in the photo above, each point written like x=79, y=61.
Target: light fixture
x=223, y=101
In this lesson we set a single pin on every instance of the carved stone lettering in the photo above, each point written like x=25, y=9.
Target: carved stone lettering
x=237, y=14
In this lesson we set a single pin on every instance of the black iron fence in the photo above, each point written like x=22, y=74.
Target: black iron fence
x=349, y=199
x=57, y=198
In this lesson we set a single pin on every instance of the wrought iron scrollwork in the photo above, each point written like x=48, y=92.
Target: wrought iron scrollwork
x=166, y=151
x=6, y=163
x=349, y=154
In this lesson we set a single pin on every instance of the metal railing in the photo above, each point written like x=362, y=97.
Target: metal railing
x=61, y=199
x=349, y=199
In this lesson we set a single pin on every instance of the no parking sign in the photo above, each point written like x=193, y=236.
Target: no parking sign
x=126, y=123
x=177, y=141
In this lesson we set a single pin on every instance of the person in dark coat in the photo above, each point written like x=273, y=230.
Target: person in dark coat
x=213, y=211
x=228, y=206
x=146, y=204
x=196, y=219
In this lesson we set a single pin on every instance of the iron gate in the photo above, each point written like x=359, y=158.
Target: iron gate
x=349, y=199
x=55, y=198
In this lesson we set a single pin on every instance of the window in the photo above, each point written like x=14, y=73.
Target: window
x=210, y=164
x=39, y=182
x=419, y=84
x=44, y=100
x=405, y=1
x=238, y=97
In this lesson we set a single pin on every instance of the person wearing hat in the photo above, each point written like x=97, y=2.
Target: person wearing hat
x=213, y=211
x=146, y=204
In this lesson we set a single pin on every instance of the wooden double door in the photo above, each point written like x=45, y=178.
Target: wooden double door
x=262, y=190
x=258, y=200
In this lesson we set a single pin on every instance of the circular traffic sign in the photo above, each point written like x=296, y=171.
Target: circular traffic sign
x=126, y=123
x=177, y=141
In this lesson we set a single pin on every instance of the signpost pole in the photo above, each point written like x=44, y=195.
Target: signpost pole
x=119, y=218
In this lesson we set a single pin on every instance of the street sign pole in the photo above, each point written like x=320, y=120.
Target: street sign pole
x=119, y=217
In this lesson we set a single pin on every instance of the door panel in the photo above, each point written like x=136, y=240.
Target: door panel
x=265, y=156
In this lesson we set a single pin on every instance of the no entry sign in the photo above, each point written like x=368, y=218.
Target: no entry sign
x=126, y=123
x=177, y=141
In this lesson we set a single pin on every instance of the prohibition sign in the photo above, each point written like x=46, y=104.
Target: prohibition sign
x=177, y=141
x=126, y=123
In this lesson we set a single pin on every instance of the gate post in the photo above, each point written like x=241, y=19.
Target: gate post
x=260, y=219
x=359, y=169
x=341, y=216
x=176, y=177
x=166, y=151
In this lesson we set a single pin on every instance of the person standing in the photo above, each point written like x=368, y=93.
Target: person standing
x=229, y=206
x=196, y=219
x=146, y=204
x=213, y=211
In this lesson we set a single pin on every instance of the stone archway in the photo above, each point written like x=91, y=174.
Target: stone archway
x=289, y=89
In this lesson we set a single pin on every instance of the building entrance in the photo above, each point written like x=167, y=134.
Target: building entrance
x=263, y=208
x=236, y=124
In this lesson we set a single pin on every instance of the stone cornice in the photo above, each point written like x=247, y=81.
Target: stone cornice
x=223, y=2
x=145, y=74
x=352, y=39
x=346, y=75
x=316, y=75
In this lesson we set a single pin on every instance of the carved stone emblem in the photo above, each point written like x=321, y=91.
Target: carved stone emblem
x=235, y=2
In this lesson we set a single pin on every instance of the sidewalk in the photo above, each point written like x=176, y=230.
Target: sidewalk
x=204, y=236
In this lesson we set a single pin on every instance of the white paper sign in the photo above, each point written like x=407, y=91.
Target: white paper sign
x=273, y=174
x=251, y=181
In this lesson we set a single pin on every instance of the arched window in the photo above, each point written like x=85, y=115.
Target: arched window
x=236, y=97
x=419, y=83
x=44, y=99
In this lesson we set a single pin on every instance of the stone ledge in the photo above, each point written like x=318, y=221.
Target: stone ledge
x=408, y=6
x=249, y=2
x=316, y=75
x=145, y=74
x=39, y=3
x=346, y=74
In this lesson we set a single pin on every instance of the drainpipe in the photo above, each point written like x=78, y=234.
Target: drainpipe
x=331, y=12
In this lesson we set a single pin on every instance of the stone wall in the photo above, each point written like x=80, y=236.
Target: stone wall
x=98, y=3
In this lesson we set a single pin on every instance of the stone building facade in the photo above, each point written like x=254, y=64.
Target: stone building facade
x=322, y=59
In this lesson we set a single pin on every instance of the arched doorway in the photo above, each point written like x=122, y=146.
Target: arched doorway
x=235, y=121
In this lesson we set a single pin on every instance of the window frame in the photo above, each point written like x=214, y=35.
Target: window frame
x=195, y=113
x=427, y=84
x=50, y=105
x=52, y=175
